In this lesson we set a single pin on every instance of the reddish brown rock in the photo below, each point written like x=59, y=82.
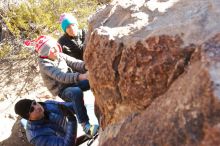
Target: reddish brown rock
x=212, y=136
x=186, y=115
x=154, y=71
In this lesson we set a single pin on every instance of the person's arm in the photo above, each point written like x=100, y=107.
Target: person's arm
x=56, y=74
x=67, y=140
x=83, y=39
x=66, y=44
x=75, y=64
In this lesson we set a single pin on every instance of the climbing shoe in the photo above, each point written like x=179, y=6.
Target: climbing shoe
x=90, y=130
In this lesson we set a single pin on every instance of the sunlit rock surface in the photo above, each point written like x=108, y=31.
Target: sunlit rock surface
x=155, y=72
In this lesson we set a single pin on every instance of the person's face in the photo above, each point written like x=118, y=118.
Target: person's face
x=72, y=30
x=36, y=111
x=54, y=53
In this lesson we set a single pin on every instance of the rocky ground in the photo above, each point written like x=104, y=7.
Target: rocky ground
x=21, y=79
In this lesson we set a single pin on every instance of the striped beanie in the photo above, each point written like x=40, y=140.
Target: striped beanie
x=43, y=45
x=66, y=20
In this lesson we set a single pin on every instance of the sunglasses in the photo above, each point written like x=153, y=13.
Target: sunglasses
x=32, y=106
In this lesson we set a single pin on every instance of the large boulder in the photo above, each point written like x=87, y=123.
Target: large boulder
x=187, y=114
x=154, y=70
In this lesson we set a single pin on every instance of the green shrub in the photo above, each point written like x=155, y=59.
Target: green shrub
x=23, y=53
x=5, y=49
x=41, y=17
x=35, y=17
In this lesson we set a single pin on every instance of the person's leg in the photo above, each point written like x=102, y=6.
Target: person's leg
x=75, y=95
x=89, y=129
x=83, y=85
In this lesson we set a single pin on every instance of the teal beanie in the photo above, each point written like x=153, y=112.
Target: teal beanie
x=67, y=21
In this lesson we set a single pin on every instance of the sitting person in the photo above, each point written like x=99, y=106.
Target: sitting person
x=64, y=77
x=73, y=39
x=49, y=123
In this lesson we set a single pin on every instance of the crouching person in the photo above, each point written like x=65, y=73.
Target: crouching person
x=65, y=77
x=49, y=123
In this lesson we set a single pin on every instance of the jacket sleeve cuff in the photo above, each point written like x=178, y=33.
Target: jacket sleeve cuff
x=84, y=67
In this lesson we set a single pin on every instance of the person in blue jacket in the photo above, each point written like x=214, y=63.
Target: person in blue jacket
x=49, y=123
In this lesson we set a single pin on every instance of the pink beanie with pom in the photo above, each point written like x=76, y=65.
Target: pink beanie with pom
x=43, y=44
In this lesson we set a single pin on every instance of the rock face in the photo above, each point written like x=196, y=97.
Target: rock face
x=154, y=70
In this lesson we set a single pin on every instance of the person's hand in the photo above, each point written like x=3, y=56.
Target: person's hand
x=83, y=76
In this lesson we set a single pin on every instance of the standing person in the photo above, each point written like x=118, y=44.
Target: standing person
x=49, y=123
x=64, y=77
x=73, y=38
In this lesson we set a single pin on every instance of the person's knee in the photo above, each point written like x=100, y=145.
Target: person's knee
x=74, y=93
x=84, y=85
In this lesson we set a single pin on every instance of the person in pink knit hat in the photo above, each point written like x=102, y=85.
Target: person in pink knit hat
x=64, y=76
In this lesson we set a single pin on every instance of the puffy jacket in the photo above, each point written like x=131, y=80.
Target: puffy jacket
x=60, y=73
x=55, y=130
